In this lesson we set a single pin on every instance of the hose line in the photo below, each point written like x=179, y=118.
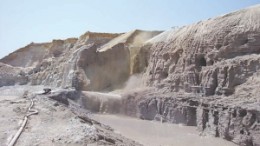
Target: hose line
x=30, y=112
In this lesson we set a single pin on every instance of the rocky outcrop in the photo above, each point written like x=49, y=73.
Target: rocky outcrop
x=230, y=120
x=214, y=54
x=62, y=70
x=10, y=75
x=107, y=67
x=205, y=74
x=93, y=62
x=211, y=71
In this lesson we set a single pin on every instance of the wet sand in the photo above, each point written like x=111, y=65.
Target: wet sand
x=151, y=133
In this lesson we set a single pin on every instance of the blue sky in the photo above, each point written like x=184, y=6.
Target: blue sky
x=26, y=21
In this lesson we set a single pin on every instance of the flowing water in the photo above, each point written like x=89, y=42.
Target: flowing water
x=151, y=133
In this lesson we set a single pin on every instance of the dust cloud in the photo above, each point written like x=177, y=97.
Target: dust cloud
x=134, y=82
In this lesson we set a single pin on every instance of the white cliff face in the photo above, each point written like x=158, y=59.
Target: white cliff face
x=95, y=61
x=204, y=74
x=212, y=56
x=217, y=54
x=207, y=55
x=63, y=70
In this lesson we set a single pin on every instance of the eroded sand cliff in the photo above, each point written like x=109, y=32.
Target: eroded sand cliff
x=205, y=74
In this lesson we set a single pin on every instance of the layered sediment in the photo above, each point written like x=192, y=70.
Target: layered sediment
x=205, y=74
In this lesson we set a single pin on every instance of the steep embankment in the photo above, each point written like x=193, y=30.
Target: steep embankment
x=109, y=66
x=94, y=61
x=55, y=64
x=213, y=67
x=205, y=74
x=213, y=54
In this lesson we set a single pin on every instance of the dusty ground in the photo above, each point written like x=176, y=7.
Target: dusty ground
x=55, y=124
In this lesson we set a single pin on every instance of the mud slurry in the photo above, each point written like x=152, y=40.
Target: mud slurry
x=154, y=133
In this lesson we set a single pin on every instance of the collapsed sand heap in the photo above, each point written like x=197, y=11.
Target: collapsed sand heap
x=205, y=74
x=95, y=61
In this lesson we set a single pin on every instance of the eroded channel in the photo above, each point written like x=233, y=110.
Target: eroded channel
x=154, y=133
